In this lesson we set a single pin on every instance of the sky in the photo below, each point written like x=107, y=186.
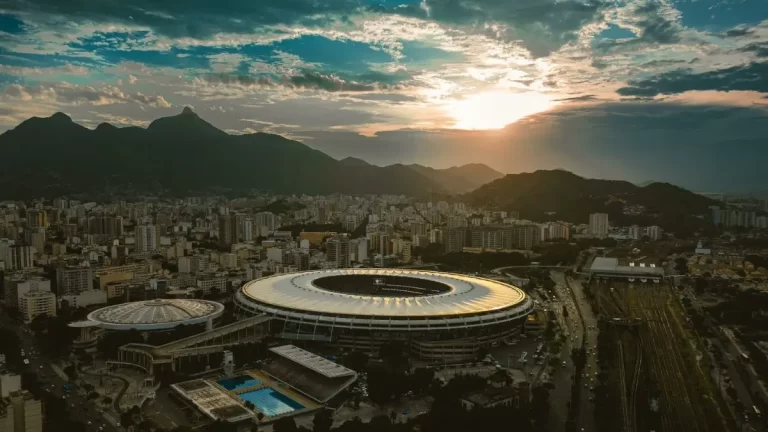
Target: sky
x=641, y=90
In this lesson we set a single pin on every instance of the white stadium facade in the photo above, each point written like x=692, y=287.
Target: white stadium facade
x=440, y=316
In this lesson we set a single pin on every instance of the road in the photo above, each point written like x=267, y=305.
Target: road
x=80, y=409
x=590, y=322
x=578, y=310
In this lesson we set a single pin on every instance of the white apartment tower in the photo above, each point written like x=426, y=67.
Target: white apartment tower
x=73, y=280
x=598, y=224
x=146, y=238
x=337, y=250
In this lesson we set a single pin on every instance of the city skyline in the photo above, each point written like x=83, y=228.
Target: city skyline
x=664, y=90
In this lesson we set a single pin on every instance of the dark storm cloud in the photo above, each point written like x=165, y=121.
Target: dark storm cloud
x=193, y=18
x=750, y=77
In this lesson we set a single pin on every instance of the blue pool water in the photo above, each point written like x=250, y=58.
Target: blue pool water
x=271, y=402
x=238, y=382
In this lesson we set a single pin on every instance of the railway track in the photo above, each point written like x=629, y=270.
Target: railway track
x=663, y=366
x=623, y=389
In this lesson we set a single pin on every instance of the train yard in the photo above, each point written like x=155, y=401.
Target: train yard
x=652, y=364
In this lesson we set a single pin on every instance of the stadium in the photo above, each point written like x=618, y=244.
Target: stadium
x=440, y=316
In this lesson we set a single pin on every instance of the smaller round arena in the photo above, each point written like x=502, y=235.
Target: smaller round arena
x=153, y=315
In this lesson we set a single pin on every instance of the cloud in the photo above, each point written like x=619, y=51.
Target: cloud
x=739, y=32
x=541, y=25
x=584, y=98
x=750, y=77
x=68, y=94
x=305, y=80
x=190, y=18
x=759, y=49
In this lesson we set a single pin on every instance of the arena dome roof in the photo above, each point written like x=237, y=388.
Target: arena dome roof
x=160, y=314
x=422, y=294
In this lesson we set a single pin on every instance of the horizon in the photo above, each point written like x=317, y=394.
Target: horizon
x=519, y=87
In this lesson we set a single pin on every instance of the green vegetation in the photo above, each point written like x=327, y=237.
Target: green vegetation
x=561, y=195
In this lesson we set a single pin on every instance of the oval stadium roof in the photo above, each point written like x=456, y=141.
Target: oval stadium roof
x=464, y=295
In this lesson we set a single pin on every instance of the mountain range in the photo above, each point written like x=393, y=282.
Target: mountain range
x=561, y=195
x=183, y=154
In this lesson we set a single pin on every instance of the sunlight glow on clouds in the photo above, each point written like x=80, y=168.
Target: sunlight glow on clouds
x=494, y=110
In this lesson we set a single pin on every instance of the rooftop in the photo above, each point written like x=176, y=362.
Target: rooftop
x=611, y=265
x=314, y=362
x=156, y=314
x=460, y=294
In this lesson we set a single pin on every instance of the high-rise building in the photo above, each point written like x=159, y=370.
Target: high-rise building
x=266, y=219
x=363, y=247
x=635, y=232
x=36, y=238
x=20, y=257
x=248, y=230
x=37, y=219
x=238, y=226
x=73, y=280
x=654, y=232
x=455, y=240
x=525, y=237
x=405, y=252
x=34, y=303
x=337, y=251
x=147, y=239
x=301, y=260
x=225, y=230
x=598, y=224
x=108, y=225
x=381, y=243
x=17, y=286
x=558, y=230
x=436, y=236
x=20, y=412
x=418, y=229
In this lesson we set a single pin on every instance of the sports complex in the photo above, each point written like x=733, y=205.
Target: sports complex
x=440, y=316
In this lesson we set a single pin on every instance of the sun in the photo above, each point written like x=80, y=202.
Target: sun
x=494, y=110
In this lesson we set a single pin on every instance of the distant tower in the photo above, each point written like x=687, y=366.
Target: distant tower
x=229, y=363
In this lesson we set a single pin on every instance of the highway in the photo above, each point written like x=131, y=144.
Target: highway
x=80, y=409
x=574, y=329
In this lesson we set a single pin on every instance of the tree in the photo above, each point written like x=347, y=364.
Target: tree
x=322, y=421
x=71, y=372
x=356, y=360
x=107, y=401
x=285, y=424
x=92, y=396
x=126, y=420
x=39, y=323
x=422, y=379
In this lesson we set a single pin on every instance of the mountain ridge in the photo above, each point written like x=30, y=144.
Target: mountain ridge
x=179, y=154
x=562, y=195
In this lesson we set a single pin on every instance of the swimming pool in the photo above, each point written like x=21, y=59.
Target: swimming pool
x=238, y=382
x=271, y=402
